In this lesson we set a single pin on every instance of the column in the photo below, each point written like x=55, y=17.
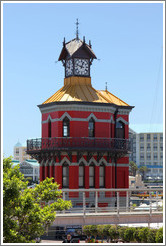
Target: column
x=108, y=179
x=46, y=170
x=51, y=169
x=58, y=175
x=97, y=177
x=41, y=172
x=73, y=180
x=87, y=180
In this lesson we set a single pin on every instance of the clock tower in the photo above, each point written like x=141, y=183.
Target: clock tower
x=77, y=57
x=84, y=142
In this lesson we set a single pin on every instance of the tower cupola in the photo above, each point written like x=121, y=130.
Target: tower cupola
x=77, y=57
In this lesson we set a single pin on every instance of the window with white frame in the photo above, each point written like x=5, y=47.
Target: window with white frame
x=141, y=137
x=155, y=156
x=91, y=176
x=81, y=175
x=148, y=137
x=155, y=137
x=65, y=178
x=101, y=176
x=66, y=127
x=155, y=147
x=148, y=157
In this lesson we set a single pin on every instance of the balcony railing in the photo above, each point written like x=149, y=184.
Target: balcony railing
x=80, y=143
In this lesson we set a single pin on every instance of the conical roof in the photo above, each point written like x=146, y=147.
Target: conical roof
x=80, y=89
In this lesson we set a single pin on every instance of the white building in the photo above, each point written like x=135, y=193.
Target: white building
x=20, y=153
x=148, y=151
x=30, y=168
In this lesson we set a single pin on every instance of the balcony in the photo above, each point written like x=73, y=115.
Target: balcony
x=78, y=144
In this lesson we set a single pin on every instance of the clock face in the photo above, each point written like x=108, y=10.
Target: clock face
x=69, y=67
x=81, y=67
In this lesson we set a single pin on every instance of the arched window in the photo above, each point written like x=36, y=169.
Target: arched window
x=91, y=128
x=66, y=127
x=91, y=176
x=101, y=176
x=120, y=129
x=81, y=175
x=49, y=128
x=65, y=176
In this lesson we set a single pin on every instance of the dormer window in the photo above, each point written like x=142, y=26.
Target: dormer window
x=66, y=127
x=91, y=128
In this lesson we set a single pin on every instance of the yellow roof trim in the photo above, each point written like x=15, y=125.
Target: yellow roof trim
x=80, y=89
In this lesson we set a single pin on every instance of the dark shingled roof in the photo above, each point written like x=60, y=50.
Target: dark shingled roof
x=72, y=46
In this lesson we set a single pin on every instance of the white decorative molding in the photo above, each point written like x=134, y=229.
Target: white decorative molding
x=82, y=160
x=64, y=160
x=103, y=160
x=112, y=120
x=94, y=161
x=84, y=119
x=65, y=115
x=91, y=116
x=121, y=119
x=91, y=108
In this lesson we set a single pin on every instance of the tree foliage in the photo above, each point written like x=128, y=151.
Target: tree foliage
x=143, y=170
x=127, y=234
x=159, y=235
x=133, y=168
x=24, y=218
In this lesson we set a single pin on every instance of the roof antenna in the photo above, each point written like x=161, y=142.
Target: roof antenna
x=105, y=86
x=77, y=23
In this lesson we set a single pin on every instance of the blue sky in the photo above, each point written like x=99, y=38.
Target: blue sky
x=126, y=37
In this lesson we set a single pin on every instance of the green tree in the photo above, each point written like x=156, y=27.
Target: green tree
x=143, y=234
x=151, y=237
x=136, y=234
x=159, y=235
x=24, y=218
x=133, y=168
x=100, y=231
x=143, y=170
x=93, y=230
x=129, y=234
x=122, y=230
x=113, y=232
x=106, y=232
x=87, y=230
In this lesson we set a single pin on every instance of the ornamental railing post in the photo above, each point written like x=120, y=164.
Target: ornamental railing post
x=118, y=203
x=150, y=197
x=96, y=202
x=63, y=199
x=157, y=200
x=127, y=201
x=84, y=205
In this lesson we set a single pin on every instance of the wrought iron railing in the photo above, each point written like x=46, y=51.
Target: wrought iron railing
x=78, y=143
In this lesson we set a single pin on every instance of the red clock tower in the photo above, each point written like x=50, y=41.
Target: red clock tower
x=84, y=142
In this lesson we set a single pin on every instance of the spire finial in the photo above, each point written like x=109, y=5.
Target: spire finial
x=105, y=86
x=64, y=41
x=77, y=23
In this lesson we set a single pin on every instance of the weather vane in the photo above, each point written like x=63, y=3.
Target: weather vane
x=77, y=23
x=106, y=86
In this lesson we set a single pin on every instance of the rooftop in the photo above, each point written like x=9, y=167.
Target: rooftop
x=80, y=89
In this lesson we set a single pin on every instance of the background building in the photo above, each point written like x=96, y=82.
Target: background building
x=147, y=150
x=30, y=169
x=20, y=152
